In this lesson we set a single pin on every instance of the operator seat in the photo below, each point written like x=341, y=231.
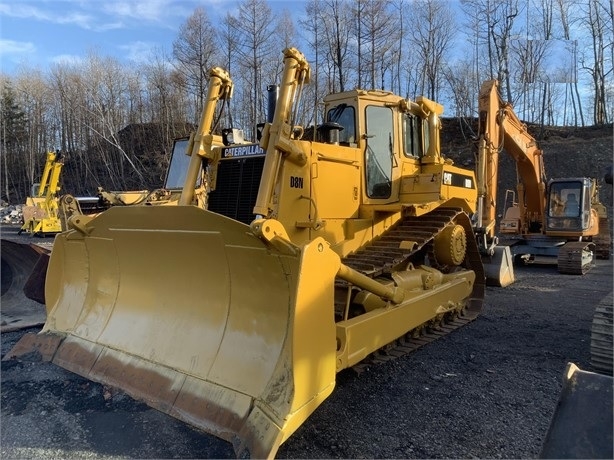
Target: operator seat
x=572, y=207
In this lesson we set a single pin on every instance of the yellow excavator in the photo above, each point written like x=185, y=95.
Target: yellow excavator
x=360, y=248
x=41, y=212
x=560, y=218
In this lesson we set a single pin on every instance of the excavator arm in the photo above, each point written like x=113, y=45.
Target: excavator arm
x=51, y=175
x=499, y=127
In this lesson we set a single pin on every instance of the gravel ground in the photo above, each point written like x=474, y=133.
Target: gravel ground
x=487, y=390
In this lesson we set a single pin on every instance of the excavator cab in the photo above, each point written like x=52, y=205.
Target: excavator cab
x=569, y=206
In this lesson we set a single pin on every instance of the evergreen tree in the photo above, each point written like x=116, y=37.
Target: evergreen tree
x=12, y=134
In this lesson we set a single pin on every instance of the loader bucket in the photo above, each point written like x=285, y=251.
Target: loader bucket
x=499, y=268
x=582, y=423
x=194, y=314
x=20, y=266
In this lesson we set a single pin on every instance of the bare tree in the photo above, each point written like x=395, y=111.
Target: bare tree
x=431, y=34
x=398, y=55
x=336, y=17
x=376, y=37
x=600, y=31
x=258, y=61
x=311, y=27
x=195, y=52
x=13, y=132
x=502, y=16
x=34, y=99
x=572, y=87
x=166, y=91
x=460, y=78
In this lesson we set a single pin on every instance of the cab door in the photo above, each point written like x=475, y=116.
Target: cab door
x=379, y=150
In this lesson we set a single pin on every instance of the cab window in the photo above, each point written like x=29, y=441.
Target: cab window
x=565, y=199
x=378, y=152
x=412, y=138
x=343, y=114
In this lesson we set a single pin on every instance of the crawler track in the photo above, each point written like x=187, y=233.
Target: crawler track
x=384, y=256
x=603, y=241
x=601, y=337
x=575, y=258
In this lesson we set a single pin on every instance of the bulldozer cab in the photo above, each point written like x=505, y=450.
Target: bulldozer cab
x=569, y=205
x=398, y=141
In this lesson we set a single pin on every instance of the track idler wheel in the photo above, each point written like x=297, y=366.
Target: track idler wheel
x=450, y=245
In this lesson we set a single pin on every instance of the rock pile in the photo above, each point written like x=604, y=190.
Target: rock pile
x=11, y=214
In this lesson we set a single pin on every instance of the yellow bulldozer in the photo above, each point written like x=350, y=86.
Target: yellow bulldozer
x=359, y=246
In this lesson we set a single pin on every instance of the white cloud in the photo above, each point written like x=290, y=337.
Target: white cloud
x=10, y=47
x=156, y=11
x=69, y=59
x=138, y=51
x=55, y=16
x=151, y=10
x=21, y=10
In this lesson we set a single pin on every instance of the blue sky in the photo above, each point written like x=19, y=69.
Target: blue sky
x=38, y=33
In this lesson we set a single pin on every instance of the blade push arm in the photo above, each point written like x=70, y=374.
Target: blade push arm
x=276, y=136
x=220, y=87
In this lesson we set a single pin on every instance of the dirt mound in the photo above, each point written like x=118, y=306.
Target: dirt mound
x=568, y=152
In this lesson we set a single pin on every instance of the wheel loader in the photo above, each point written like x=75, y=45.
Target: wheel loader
x=560, y=218
x=360, y=248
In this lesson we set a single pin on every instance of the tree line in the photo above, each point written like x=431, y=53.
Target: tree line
x=115, y=123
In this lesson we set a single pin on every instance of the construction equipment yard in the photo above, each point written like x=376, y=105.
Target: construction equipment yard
x=487, y=390
x=172, y=318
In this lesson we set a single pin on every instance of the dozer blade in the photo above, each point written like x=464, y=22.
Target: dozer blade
x=21, y=295
x=582, y=423
x=192, y=313
x=499, y=268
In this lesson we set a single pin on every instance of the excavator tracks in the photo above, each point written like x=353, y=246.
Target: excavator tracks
x=603, y=241
x=386, y=255
x=576, y=258
x=601, y=336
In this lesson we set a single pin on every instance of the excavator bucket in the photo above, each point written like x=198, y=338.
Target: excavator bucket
x=21, y=301
x=582, y=423
x=204, y=318
x=499, y=268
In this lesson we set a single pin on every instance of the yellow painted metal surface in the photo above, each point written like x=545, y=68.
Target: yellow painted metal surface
x=212, y=315
x=41, y=210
